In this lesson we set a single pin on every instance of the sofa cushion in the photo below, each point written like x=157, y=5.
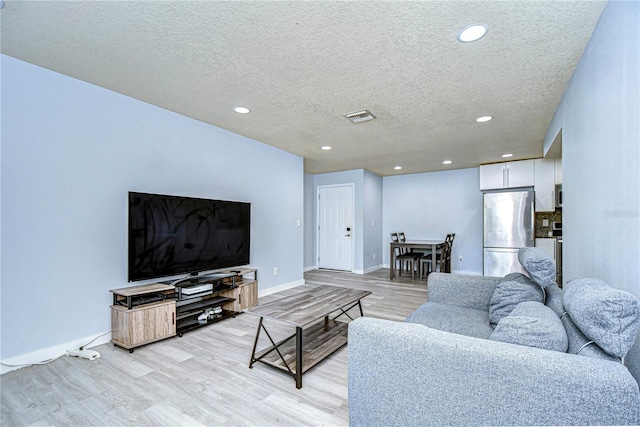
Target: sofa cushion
x=608, y=316
x=581, y=345
x=453, y=318
x=532, y=324
x=553, y=299
x=513, y=289
x=539, y=265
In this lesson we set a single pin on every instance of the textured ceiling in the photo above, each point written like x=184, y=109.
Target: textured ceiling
x=301, y=65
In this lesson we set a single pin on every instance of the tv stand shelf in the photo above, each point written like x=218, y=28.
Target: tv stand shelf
x=147, y=313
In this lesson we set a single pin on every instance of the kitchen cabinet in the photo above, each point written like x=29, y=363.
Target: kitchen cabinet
x=548, y=245
x=544, y=187
x=558, y=170
x=507, y=175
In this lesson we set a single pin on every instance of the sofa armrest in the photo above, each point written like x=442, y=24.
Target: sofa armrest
x=462, y=289
x=409, y=374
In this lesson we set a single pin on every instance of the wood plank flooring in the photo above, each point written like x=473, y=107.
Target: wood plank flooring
x=202, y=378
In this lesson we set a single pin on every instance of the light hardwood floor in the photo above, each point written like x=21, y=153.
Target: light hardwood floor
x=202, y=378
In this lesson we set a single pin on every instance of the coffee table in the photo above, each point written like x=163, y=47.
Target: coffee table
x=316, y=334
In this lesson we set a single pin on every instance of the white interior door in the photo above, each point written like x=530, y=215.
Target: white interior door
x=335, y=227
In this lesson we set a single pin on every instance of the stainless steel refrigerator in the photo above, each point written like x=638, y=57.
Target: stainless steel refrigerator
x=508, y=226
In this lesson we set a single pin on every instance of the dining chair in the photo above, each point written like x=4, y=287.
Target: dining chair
x=396, y=251
x=408, y=257
x=443, y=258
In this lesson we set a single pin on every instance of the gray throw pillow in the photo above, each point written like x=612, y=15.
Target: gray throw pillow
x=513, y=289
x=581, y=345
x=532, y=324
x=539, y=265
x=608, y=316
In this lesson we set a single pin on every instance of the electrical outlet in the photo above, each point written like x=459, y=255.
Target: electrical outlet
x=374, y=255
x=275, y=271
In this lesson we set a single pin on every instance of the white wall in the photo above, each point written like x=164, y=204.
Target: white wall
x=430, y=205
x=600, y=120
x=70, y=153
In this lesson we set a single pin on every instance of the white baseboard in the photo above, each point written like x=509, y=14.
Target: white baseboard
x=41, y=355
x=312, y=267
x=280, y=288
x=374, y=268
x=368, y=270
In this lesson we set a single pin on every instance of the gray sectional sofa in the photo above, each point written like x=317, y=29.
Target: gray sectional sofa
x=498, y=351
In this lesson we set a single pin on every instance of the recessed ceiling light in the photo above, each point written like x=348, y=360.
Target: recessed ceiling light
x=447, y=162
x=242, y=110
x=507, y=155
x=472, y=32
x=398, y=168
x=483, y=119
x=326, y=147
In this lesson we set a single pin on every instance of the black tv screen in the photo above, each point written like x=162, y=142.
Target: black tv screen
x=171, y=235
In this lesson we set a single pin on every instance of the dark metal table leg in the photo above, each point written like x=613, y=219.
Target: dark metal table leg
x=392, y=258
x=255, y=343
x=298, y=357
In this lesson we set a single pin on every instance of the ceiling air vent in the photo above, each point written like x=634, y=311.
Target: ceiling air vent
x=360, y=116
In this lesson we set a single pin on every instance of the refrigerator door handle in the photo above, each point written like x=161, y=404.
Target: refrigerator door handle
x=533, y=222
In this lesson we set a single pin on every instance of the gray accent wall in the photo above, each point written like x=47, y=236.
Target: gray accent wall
x=373, y=249
x=367, y=195
x=309, y=223
x=424, y=206
x=430, y=205
x=70, y=153
x=600, y=120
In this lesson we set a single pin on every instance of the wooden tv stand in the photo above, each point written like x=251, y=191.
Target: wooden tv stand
x=147, y=313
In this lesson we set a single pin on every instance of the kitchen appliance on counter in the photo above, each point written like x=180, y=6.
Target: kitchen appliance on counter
x=508, y=226
x=559, y=196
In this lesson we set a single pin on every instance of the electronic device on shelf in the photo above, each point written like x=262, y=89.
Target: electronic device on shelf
x=172, y=235
x=190, y=290
x=144, y=299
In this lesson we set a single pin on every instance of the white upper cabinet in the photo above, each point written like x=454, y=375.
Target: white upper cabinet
x=507, y=175
x=492, y=176
x=545, y=187
x=520, y=173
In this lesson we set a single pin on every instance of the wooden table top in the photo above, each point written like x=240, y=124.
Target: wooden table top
x=310, y=304
x=418, y=243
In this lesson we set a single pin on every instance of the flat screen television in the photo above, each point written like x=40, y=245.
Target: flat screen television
x=172, y=235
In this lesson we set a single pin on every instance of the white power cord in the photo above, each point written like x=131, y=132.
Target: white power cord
x=81, y=352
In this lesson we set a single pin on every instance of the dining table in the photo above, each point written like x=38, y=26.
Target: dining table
x=432, y=244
